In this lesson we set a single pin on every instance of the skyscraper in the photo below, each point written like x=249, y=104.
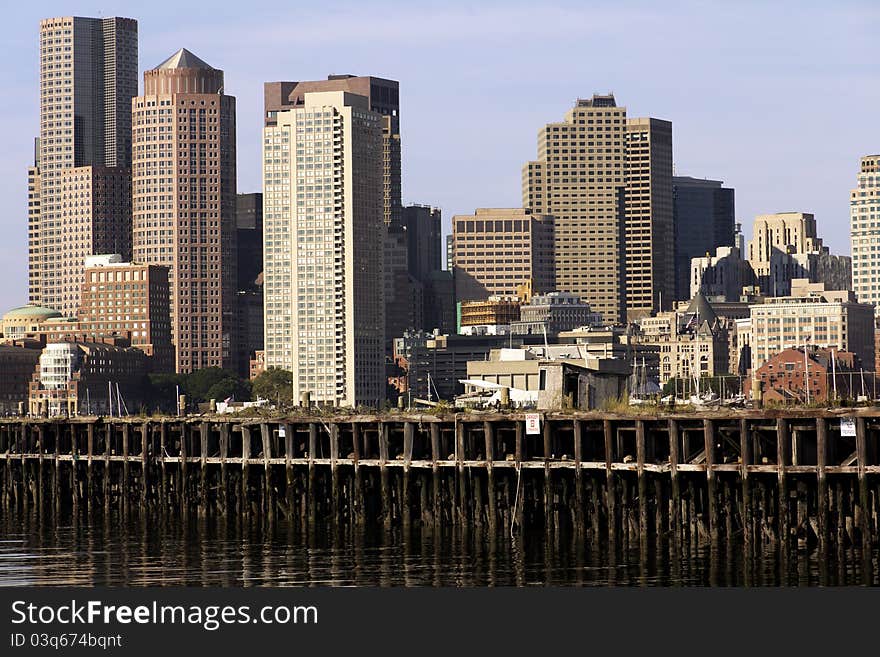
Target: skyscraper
x=323, y=213
x=607, y=182
x=579, y=179
x=88, y=76
x=423, y=236
x=183, y=189
x=249, y=287
x=703, y=215
x=865, y=231
x=402, y=294
x=649, y=232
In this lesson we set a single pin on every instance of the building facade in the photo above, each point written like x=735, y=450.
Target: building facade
x=648, y=227
x=121, y=297
x=88, y=378
x=249, y=285
x=865, y=231
x=17, y=363
x=492, y=316
x=498, y=249
x=324, y=247
x=785, y=246
x=424, y=240
x=704, y=219
x=553, y=313
x=815, y=317
x=720, y=276
x=184, y=202
x=88, y=76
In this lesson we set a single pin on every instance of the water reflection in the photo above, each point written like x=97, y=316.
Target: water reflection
x=192, y=550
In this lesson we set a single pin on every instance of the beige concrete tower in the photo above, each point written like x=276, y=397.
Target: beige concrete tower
x=323, y=218
x=184, y=195
x=497, y=250
x=865, y=231
x=88, y=76
x=649, y=231
x=579, y=179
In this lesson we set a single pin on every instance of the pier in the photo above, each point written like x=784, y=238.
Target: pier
x=789, y=477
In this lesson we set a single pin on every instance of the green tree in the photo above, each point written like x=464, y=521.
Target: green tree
x=274, y=384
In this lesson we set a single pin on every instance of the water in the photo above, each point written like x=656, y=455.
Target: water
x=194, y=551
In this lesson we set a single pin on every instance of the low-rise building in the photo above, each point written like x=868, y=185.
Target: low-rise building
x=17, y=363
x=553, y=313
x=553, y=377
x=88, y=378
x=812, y=316
x=689, y=344
x=807, y=375
x=492, y=316
x=21, y=322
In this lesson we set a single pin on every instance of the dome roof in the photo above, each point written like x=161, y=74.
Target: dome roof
x=32, y=312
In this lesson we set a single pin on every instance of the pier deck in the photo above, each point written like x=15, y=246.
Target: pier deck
x=762, y=475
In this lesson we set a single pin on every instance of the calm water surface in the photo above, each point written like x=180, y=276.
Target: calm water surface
x=213, y=552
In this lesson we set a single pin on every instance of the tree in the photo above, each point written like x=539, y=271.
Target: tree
x=274, y=384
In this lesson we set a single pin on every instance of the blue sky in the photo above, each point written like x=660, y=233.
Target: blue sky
x=779, y=100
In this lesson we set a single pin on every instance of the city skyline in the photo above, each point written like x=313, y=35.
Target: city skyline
x=759, y=98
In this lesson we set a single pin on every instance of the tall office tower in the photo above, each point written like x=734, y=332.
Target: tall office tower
x=703, y=216
x=865, y=231
x=650, y=249
x=88, y=76
x=183, y=191
x=423, y=236
x=323, y=215
x=34, y=258
x=249, y=287
x=579, y=179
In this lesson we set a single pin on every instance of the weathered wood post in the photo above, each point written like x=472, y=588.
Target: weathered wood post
x=90, y=482
x=204, y=429
x=610, y=481
x=821, y=461
x=489, y=435
x=782, y=438
x=642, y=483
x=312, y=474
x=359, y=502
x=163, y=452
x=123, y=493
x=745, y=444
x=548, y=482
x=862, y=458
x=184, y=466
x=288, y=470
x=711, y=493
x=435, y=471
x=382, y=432
x=145, y=465
x=519, y=503
x=268, y=490
x=675, y=510
x=244, y=496
x=224, y=481
x=335, y=507
x=577, y=434
x=408, y=431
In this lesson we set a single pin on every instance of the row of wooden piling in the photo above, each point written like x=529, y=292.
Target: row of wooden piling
x=699, y=479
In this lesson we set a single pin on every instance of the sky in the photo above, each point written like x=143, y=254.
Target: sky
x=779, y=100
